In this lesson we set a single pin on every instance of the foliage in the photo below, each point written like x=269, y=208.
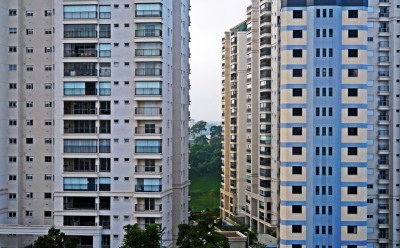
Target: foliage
x=198, y=128
x=136, y=237
x=200, y=232
x=55, y=239
x=205, y=154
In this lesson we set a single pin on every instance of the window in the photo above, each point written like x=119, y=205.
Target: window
x=353, y=33
x=29, y=50
x=352, y=92
x=29, y=68
x=28, y=213
x=352, y=151
x=353, y=14
x=296, y=228
x=297, y=111
x=29, y=159
x=297, y=92
x=12, y=12
x=12, y=196
x=297, y=150
x=47, y=177
x=297, y=53
x=352, y=111
x=29, y=195
x=47, y=195
x=352, y=53
x=352, y=131
x=12, y=141
x=12, y=86
x=297, y=131
x=12, y=214
x=47, y=159
x=12, y=30
x=47, y=213
x=105, y=12
x=12, y=49
x=352, y=190
x=29, y=177
x=352, y=170
x=352, y=209
x=12, y=177
x=29, y=140
x=29, y=13
x=297, y=209
x=297, y=14
x=297, y=34
x=296, y=190
x=48, y=68
x=330, y=13
x=48, y=31
x=48, y=13
x=352, y=229
x=48, y=86
x=297, y=170
x=29, y=86
x=29, y=32
x=12, y=67
x=297, y=72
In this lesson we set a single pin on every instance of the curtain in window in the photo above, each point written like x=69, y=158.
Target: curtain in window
x=78, y=183
x=105, y=88
x=74, y=88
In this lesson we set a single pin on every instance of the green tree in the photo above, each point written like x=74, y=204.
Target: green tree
x=136, y=237
x=55, y=239
x=200, y=232
x=198, y=128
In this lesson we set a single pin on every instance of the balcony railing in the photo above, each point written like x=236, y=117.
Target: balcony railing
x=148, y=111
x=80, y=34
x=148, y=33
x=148, y=72
x=80, y=15
x=384, y=14
x=383, y=43
x=148, y=208
x=148, y=169
x=80, y=168
x=383, y=58
x=148, y=91
x=383, y=132
x=80, y=206
x=383, y=147
x=383, y=30
x=147, y=130
x=105, y=72
x=383, y=73
x=80, y=92
x=80, y=111
x=148, y=52
x=148, y=13
x=81, y=130
x=80, y=72
x=148, y=149
x=80, y=149
x=148, y=188
x=80, y=53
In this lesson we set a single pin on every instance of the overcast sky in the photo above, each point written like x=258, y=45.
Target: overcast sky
x=210, y=19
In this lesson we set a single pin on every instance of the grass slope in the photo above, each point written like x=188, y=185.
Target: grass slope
x=204, y=192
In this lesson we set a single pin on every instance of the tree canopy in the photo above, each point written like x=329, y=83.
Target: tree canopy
x=205, y=153
x=55, y=239
x=200, y=233
x=136, y=237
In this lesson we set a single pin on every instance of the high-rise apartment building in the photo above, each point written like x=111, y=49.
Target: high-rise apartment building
x=94, y=126
x=332, y=132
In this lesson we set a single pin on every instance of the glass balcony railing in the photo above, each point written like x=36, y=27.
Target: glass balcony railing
x=148, y=72
x=80, y=34
x=148, y=111
x=148, y=13
x=80, y=53
x=148, y=33
x=148, y=188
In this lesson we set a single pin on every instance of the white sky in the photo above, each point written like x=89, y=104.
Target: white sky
x=210, y=19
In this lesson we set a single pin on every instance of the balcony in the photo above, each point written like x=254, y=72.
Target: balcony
x=80, y=34
x=148, y=33
x=80, y=69
x=80, y=108
x=79, y=203
x=148, y=149
x=84, y=53
x=144, y=169
x=80, y=15
x=80, y=127
x=148, y=130
x=148, y=207
x=79, y=221
x=80, y=165
x=80, y=89
x=148, y=111
x=148, y=52
x=148, y=72
x=148, y=13
x=383, y=45
x=383, y=89
x=148, y=188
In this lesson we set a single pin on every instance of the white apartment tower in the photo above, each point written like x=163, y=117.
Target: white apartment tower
x=94, y=127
